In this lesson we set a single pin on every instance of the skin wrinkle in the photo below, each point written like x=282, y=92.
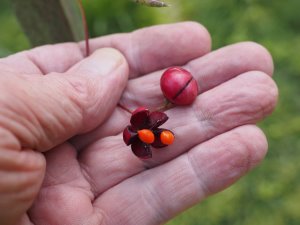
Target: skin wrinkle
x=53, y=187
x=201, y=115
x=246, y=94
x=238, y=167
x=25, y=220
x=198, y=173
x=10, y=121
x=86, y=175
x=244, y=164
x=151, y=198
x=7, y=139
x=251, y=159
x=32, y=123
x=24, y=65
x=100, y=216
x=202, y=174
x=79, y=95
x=66, y=174
x=183, y=179
x=52, y=180
x=16, y=180
x=27, y=193
x=37, y=56
x=34, y=62
x=24, y=160
x=130, y=98
x=60, y=122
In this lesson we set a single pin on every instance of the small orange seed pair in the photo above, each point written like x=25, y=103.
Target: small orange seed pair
x=147, y=136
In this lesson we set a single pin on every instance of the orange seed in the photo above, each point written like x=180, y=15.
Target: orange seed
x=146, y=136
x=167, y=137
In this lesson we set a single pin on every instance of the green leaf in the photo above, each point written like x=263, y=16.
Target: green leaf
x=51, y=21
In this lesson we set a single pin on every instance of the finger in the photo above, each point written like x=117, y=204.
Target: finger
x=146, y=50
x=234, y=59
x=161, y=46
x=210, y=71
x=159, y=194
x=232, y=104
x=55, y=107
x=21, y=173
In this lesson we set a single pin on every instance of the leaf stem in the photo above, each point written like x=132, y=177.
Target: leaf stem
x=86, y=29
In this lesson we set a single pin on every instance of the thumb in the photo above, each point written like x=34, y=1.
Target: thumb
x=48, y=110
x=105, y=75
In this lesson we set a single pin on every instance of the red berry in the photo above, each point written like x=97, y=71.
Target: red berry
x=179, y=86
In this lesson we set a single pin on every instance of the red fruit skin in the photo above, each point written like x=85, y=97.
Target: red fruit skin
x=179, y=86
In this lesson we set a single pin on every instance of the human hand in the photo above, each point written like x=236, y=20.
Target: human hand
x=59, y=118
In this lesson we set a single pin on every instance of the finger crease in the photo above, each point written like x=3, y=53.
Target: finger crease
x=34, y=62
x=87, y=177
x=204, y=190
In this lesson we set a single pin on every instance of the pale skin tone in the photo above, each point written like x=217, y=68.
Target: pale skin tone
x=62, y=157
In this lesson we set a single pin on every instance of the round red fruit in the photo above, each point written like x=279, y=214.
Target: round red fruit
x=179, y=86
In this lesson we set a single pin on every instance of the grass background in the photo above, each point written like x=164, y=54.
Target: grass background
x=270, y=195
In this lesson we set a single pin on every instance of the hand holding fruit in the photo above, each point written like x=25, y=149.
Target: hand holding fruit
x=62, y=155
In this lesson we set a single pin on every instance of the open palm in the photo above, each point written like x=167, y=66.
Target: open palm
x=91, y=176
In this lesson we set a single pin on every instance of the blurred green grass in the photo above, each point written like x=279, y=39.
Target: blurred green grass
x=270, y=195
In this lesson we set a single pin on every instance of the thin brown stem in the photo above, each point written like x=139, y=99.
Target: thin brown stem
x=152, y=3
x=86, y=29
x=125, y=108
x=166, y=106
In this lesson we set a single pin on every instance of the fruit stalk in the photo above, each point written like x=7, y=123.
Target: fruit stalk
x=124, y=108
